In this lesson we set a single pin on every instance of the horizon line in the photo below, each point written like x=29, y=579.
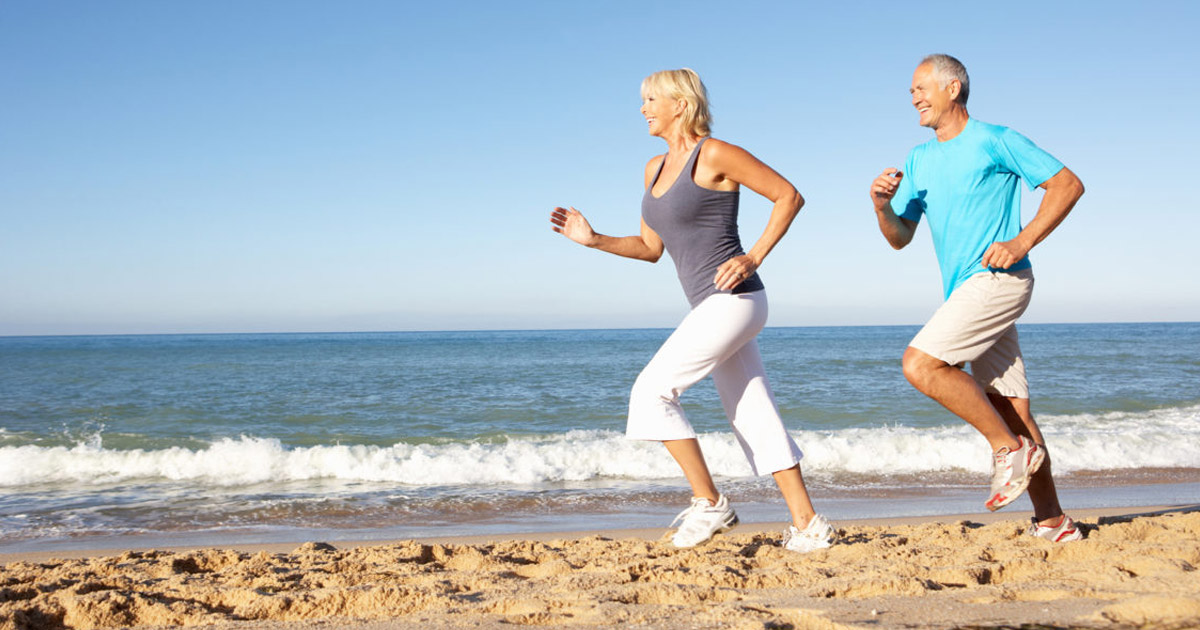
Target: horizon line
x=525, y=330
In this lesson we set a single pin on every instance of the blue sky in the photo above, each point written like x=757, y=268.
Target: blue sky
x=232, y=166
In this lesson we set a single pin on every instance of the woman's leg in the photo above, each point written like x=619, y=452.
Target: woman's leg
x=750, y=405
x=791, y=485
x=687, y=454
x=717, y=328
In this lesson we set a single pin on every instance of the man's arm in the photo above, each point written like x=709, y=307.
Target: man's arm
x=1062, y=191
x=896, y=229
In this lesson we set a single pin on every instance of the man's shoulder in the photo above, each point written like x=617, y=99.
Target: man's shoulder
x=992, y=131
x=987, y=127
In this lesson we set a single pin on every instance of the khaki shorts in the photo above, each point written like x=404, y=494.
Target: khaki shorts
x=977, y=325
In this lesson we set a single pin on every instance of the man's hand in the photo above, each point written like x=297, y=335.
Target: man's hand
x=884, y=187
x=896, y=229
x=1004, y=254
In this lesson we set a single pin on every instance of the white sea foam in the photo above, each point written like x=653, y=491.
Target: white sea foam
x=1163, y=438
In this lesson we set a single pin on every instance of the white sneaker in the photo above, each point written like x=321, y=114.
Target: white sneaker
x=818, y=534
x=701, y=520
x=1012, y=471
x=1065, y=531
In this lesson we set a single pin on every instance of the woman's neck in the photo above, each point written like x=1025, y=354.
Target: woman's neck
x=680, y=143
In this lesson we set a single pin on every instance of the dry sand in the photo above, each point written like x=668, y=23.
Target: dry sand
x=1131, y=571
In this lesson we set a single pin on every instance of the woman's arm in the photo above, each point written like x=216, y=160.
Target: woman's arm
x=571, y=223
x=645, y=246
x=722, y=165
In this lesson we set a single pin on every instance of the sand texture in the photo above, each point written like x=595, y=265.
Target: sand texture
x=1128, y=572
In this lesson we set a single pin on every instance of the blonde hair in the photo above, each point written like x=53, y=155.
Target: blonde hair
x=685, y=85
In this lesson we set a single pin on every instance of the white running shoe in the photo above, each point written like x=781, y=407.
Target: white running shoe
x=1065, y=531
x=818, y=534
x=1012, y=470
x=701, y=520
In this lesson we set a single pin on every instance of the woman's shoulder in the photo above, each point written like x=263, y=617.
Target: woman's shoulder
x=652, y=168
x=716, y=151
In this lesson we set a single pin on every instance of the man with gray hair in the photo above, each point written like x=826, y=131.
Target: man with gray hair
x=966, y=182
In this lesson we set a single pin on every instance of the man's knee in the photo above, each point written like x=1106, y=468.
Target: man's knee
x=918, y=367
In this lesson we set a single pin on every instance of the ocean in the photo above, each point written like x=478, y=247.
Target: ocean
x=203, y=439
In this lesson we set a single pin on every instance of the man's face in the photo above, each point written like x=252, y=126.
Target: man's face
x=931, y=100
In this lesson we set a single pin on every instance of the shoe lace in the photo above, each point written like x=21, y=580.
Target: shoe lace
x=1000, y=458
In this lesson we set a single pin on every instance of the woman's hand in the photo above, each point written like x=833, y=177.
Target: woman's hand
x=570, y=223
x=734, y=271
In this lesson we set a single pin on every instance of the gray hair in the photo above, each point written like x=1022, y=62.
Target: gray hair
x=947, y=69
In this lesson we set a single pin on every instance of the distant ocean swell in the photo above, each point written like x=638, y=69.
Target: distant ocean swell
x=1162, y=438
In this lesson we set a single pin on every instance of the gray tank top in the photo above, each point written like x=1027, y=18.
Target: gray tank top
x=698, y=227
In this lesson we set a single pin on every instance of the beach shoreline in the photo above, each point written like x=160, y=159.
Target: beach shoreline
x=1136, y=566
x=757, y=506
x=767, y=528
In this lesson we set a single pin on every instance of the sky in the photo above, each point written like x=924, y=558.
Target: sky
x=293, y=166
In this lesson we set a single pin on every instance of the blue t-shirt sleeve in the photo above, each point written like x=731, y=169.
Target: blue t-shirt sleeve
x=907, y=203
x=1020, y=155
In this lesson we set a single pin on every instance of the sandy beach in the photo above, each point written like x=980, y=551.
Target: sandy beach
x=1136, y=568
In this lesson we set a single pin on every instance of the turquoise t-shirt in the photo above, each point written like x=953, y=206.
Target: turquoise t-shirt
x=968, y=187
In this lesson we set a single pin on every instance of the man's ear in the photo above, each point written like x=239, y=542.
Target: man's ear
x=955, y=88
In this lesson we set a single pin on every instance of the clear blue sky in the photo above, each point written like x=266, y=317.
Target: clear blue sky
x=340, y=166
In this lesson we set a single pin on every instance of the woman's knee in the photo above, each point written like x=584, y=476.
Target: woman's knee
x=649, y=393
x=642, y=388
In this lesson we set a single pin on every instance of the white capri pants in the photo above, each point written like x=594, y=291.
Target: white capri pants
x=716, y=337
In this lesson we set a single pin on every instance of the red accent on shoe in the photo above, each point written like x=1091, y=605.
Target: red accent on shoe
x=1064, y=534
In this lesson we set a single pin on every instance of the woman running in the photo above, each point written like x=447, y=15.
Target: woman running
x=690, y=209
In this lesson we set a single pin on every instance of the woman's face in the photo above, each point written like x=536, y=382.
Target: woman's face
x=661, y=113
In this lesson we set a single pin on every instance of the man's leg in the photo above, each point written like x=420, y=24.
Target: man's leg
x=979, y=316
x=1016, y=412
x=959, y=393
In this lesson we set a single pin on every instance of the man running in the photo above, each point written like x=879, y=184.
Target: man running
x=966, y=182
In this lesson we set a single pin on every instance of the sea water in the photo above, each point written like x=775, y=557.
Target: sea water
x=363, y=436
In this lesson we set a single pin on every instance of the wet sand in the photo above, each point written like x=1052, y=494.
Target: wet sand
x=1136, y=568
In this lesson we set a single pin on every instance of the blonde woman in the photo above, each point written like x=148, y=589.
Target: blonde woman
x=690, y=210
